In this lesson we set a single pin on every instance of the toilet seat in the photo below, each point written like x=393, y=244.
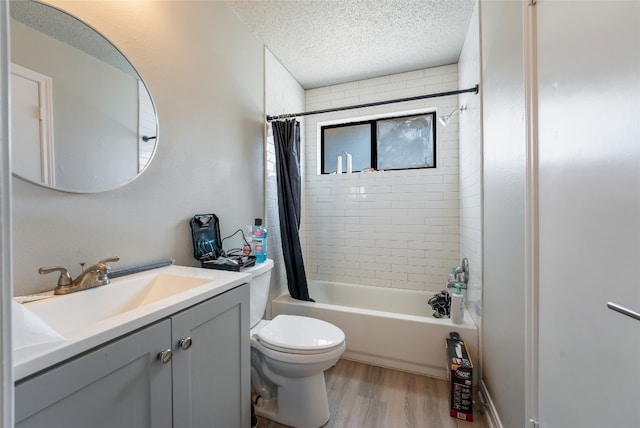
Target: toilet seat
x=300, y=335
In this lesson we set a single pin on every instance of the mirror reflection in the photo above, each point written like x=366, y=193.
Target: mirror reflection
x=82, y=118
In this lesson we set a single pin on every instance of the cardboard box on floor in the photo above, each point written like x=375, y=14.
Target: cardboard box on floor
x=460, y=372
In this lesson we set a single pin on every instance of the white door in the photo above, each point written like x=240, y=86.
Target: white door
x=589, y=186
x=31, y=125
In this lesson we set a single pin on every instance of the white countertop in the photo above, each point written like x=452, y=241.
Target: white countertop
x=84, y=322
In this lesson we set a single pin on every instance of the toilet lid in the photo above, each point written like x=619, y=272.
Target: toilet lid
x=295, y=334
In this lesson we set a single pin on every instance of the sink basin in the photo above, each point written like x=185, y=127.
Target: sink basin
x=69, y=314
x=80, y=321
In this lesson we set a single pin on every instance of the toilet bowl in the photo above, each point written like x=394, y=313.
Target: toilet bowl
x=289, y=355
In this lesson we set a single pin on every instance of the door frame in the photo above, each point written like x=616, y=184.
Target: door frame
x=45, y=98
x=6, y=268
x=531, y=214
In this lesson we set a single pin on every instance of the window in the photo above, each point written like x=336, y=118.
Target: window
x=401, y=142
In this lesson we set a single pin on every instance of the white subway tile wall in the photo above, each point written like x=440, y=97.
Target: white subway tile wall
x=385, y=228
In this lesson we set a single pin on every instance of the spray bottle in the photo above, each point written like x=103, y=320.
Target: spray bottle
x=457, y=306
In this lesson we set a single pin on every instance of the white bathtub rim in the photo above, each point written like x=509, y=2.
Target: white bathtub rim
x=376, y=287
x=468, y=321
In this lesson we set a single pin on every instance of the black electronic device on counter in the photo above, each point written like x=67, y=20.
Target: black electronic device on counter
x=232, y=263
x=207, y=246
x=205, y=232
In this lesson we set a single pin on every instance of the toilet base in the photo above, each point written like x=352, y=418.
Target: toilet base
x=301, y=403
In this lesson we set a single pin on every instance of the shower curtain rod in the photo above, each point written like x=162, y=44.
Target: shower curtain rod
x=475, y=90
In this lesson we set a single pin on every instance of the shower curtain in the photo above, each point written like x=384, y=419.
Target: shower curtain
x=286, y=137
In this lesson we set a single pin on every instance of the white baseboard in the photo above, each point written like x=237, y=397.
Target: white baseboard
x=437, y=372
x=492, y=413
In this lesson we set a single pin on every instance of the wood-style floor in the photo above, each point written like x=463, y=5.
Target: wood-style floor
x=361, y=395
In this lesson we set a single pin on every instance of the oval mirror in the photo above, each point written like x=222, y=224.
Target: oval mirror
x=82, y=119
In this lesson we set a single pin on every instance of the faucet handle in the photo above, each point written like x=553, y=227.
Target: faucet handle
x=104, y=267
x=109, y=260
x=65, y=278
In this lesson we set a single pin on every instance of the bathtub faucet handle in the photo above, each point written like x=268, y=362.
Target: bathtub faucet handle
x=461, y=275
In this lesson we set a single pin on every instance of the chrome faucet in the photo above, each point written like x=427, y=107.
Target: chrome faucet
x=460, y=275
x=94, y=276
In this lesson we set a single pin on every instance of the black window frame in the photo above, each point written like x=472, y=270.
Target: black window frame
x=374, y=139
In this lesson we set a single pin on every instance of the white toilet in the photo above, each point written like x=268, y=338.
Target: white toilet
x=289, y=355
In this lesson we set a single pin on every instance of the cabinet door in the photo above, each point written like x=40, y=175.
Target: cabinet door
x=121, y=384
x=211, y=378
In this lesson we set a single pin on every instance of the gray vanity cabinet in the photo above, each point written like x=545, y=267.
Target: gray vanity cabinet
x=124, y=384
x=121, y=384
x=211, y=379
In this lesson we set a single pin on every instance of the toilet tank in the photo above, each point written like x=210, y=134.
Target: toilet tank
x=259, y=289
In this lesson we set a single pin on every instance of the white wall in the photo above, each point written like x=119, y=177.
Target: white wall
x=470, y=141
x=386, y=228
x=205, y=72
x=503, y=300
x=283, y=94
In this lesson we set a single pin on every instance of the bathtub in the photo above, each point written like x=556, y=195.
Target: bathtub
x=385, y=327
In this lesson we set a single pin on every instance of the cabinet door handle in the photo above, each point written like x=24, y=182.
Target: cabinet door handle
x=626, y=311
x=185, y=343
x=165, y=356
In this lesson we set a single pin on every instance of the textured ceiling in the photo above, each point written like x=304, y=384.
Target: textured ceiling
x=325, y=42
x=67, y=29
